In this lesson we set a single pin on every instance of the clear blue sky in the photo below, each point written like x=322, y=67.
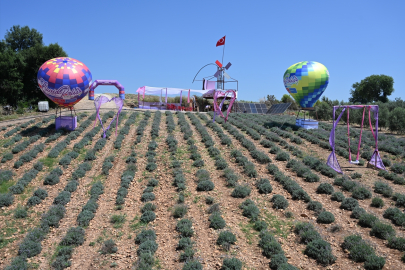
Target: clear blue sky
x=165, y=43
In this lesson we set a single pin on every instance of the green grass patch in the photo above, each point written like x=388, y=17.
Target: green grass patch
x=49, y=162
x=117, y=220
x=5, y=185
x=27, y=193
x=4, y=242
x=278, y=226
x=249, y=232
x=136, y=224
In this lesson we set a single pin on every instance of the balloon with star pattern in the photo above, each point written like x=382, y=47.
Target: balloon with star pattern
x=64, y=80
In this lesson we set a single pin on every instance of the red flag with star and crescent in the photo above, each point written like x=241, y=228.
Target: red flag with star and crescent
x=221, y=41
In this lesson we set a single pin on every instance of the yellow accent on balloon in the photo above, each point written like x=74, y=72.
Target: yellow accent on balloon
x=74, y=70
x=56, y=70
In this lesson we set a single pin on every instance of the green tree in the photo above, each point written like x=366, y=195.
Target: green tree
x=21, y=38
x=286, y=98
x=397, y=120
x=22, y=52
x=372, y=89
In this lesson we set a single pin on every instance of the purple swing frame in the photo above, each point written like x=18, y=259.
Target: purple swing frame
x=375, y=160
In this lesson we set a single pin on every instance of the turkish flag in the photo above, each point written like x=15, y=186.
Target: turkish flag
x=221, y=41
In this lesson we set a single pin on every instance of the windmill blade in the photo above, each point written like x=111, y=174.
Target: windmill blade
x=227, y=76
x=228, y=65
x=218, y=63
x=217, y=73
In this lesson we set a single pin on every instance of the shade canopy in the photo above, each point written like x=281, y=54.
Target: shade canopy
x=149, y=90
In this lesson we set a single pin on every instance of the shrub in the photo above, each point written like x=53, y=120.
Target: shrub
x=6, y=199
x=202, y=175
x=338, y=196
x=206, y=185
x=20, y=213
x=361, y=193
x=249, y=170
x=63, y=198
x=195, y=156
x=250, y=210
x=311, y=178
x=184, y=243
x=38, y=166
x=398, y=168
x=7, y=157
x=180, y=211
x=325, y=188
x=397, y=243
x=260, y=225
x=150, y=167
x=367, y=220
x=356, y=175
x=221, y=164
x=270, y=248
x=283, y=156
x=148, y=216
x=315, y=206
x=382, y=230
x=198, y=163
x=241, y=192
x=209, y=200
x=272, y=169
x=325, y=217
x=29, y=248
x=377, y=202
x=109, y=247
x=357, y=212
x=71, y=186
x=74, y=237
x=360, y=251
x=374, y=262
x=349, y=204
x=231, y=264
x=148, y=207
x=260, y=157
x=184, y=227
x=84, y=218
x=321, y=251
x=264, y=186
x=33, y=200
x=349, y=185
x=18, y=263
x=279, y=202
x=383, y=188
x=386, y=162
x=226, y=238
x=145, y=235
x=147, y=247
x=187, y=255
x=289, y=214
x=192, y=265
x=147, y=197
x=286, y=266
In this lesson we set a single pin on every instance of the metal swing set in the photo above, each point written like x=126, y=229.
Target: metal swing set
x=375, y=161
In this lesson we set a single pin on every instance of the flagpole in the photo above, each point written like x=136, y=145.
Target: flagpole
x=223, y=52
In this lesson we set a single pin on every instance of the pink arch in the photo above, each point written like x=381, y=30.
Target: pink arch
x=121, y=89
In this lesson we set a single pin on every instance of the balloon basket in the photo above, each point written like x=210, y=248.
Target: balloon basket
x=307, y=123
x=66, y=122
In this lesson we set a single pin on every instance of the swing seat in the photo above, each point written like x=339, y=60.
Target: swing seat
x=354, y=162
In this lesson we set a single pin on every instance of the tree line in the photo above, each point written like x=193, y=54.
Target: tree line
x=22, y=52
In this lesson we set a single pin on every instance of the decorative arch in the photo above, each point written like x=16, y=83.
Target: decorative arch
x=121, y=89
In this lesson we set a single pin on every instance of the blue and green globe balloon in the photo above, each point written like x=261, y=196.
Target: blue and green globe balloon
x=306, y=81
